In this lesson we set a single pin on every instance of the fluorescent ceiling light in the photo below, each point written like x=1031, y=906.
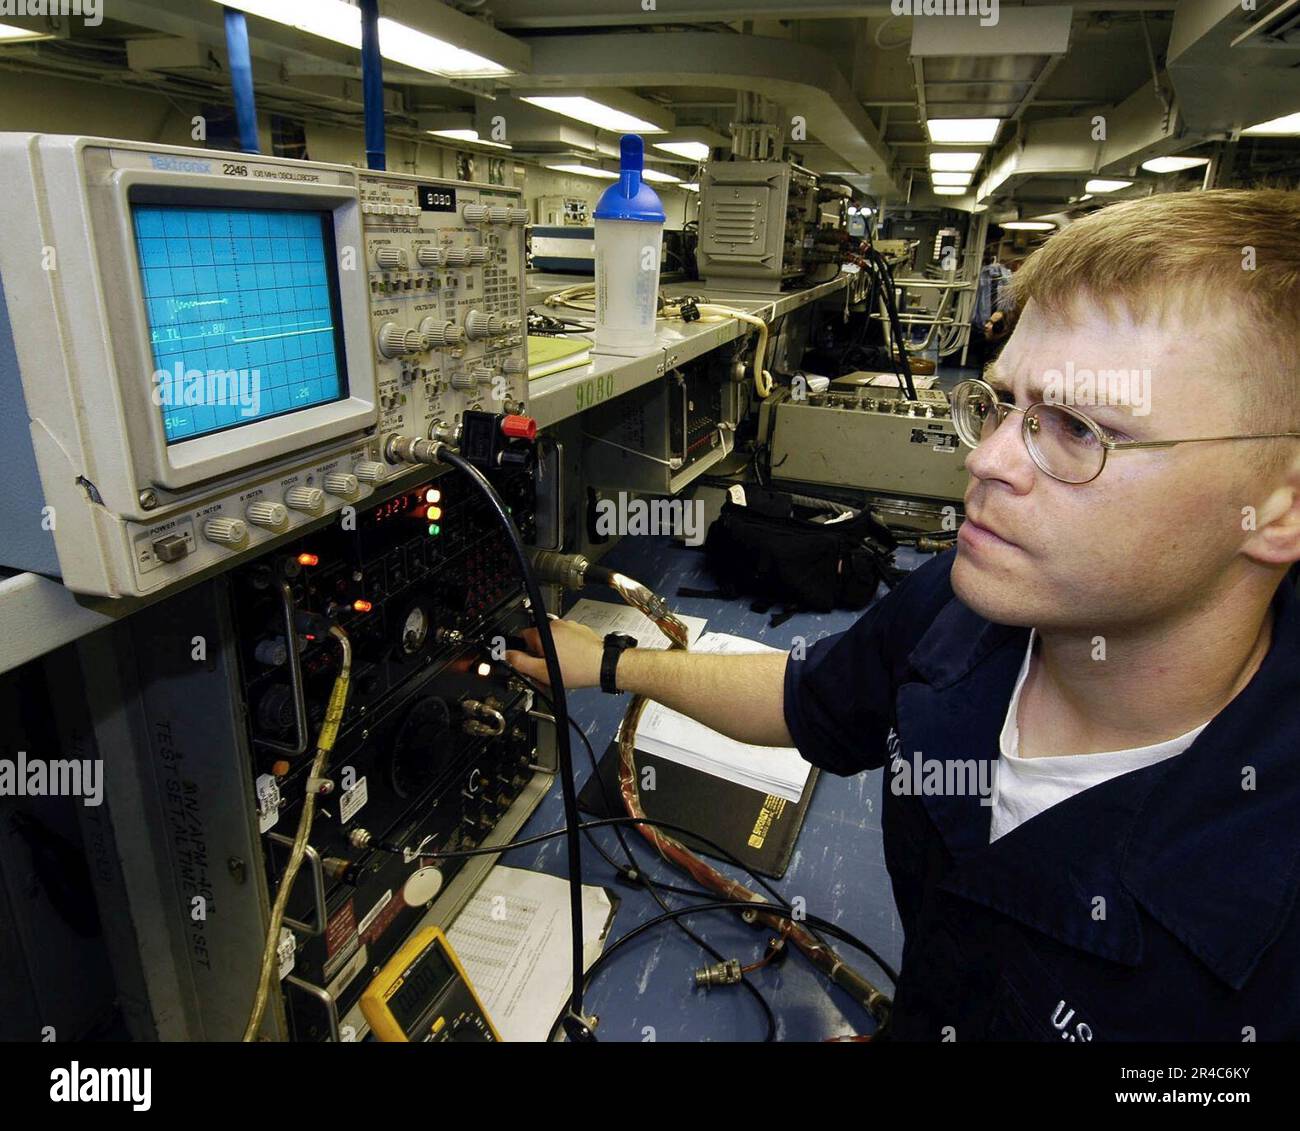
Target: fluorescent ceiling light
x=691, y=150
x=955, y=161
x=962, y=179
x=341, y=22
x=1173, y=164
x=406, y=45
x=593, y=113
x=962, y=131
x=1026, y=226
x=660, y=178
x=1085, y=196
x=948, y=190
x=468, y=135
x=691, y=186
x=11, y=34
x=584, y=171
x=1101, y=184
x=1286, y=126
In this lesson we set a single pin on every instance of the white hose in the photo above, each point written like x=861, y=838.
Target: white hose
x=762, y=378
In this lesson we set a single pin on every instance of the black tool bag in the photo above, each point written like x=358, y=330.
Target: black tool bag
x=783, y=553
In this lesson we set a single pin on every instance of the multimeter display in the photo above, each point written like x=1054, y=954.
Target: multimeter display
x=421, y=987
x=423, y=994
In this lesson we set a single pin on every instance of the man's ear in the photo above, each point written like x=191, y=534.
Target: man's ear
x=1276, y=537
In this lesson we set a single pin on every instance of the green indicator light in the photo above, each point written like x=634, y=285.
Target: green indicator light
x=434, y=529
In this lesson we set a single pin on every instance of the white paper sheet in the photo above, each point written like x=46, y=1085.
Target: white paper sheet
x=669, y=734
x=513, y=939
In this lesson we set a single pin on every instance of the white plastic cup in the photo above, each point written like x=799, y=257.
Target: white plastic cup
x=627, y=283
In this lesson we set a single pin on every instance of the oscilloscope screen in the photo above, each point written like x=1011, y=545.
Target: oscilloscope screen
x=243, y=312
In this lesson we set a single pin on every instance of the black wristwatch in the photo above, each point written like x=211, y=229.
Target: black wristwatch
x=615, y=644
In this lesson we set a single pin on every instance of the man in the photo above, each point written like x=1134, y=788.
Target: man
x=1119, y=639
x=990, y=319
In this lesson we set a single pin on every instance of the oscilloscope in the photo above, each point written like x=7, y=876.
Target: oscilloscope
x=202, y=352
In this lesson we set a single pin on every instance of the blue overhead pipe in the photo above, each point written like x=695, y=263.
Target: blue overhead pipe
x=372, y=84
x=241, y=80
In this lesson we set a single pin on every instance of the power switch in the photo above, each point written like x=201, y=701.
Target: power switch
x=170, y=547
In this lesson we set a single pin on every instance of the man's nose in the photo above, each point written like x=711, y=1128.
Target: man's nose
x=1003, y=455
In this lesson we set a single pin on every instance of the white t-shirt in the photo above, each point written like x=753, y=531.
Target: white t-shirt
x=1027, y=786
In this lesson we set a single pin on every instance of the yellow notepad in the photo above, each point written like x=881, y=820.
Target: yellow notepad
x=548, y=355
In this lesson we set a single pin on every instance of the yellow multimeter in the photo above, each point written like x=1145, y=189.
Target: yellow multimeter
x=424, y=994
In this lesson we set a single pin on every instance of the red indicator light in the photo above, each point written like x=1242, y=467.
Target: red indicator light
x=308, y=559
x=360, y=606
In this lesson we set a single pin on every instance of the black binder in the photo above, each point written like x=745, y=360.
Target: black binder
x=759, y=829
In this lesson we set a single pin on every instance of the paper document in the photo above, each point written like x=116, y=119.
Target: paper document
x=604, y=617
x=891, y=381
x=548, y=355
x=513, y=939
x=669, y=734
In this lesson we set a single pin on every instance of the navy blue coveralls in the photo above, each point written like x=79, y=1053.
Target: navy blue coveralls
x=1159, y=905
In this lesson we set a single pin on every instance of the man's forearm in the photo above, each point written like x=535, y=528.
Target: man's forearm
x=740, y=696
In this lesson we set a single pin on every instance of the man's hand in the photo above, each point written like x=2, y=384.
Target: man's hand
x=742, y=696
x=997, y=327
x=577, y=646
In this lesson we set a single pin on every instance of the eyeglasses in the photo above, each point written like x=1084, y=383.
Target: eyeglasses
x=1062, y=441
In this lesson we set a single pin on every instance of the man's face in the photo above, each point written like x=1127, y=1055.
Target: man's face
x=1157, y=529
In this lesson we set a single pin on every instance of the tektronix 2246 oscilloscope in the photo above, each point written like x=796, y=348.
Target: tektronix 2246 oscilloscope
x=201, y=352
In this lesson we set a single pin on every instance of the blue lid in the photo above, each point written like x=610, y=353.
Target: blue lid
x=631, y=198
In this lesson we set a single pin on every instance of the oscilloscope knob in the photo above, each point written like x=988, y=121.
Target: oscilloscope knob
x=481, y=325
x=475, y=213
x=431, y=256
x=478, y=254
x=309, y=500
x=434, y=334
x=390, y=257
x=342, y=485
x=499, y=214
x=371, y=471
x=396, y=342
x=463, y=380
x=518, y=215
x=272, y=516
x=483, y=373
x=232, y=532
x=512, y=365
x=458, y=257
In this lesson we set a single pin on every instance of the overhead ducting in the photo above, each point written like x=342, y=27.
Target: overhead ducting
x=1232, y=68
x=801, y=78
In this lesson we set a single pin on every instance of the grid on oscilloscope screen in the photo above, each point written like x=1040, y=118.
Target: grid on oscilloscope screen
x=243, y=313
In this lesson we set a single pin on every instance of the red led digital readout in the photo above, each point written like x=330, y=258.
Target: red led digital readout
x=412, y=504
